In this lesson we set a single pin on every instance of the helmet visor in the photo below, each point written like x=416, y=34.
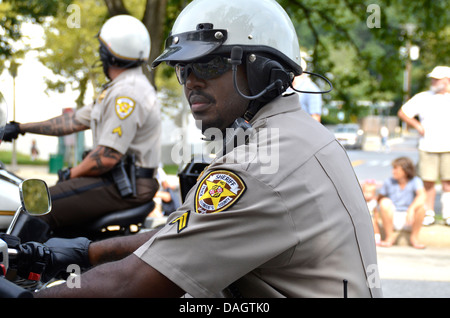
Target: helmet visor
x=190, y=46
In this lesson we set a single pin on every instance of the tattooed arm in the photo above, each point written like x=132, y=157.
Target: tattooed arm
x=97, y=162
x=58, y=126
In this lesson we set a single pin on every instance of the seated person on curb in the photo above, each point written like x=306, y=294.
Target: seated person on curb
x=167, y=194
x=369, y=188
x=402, y=202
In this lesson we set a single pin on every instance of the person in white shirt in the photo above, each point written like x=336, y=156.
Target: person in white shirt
x=433, y=109
x=310, y=103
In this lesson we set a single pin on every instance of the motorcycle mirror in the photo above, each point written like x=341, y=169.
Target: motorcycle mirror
x=3, y=116
x=35, y=197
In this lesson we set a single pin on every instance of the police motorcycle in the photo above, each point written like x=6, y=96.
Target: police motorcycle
x=18, y=275
x=33, y=199
x=21, y=275
x=122, y=222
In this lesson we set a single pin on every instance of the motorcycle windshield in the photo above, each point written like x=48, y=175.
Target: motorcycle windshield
x=3, y=115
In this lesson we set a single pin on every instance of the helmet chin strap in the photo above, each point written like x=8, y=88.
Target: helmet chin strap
x=108, y=60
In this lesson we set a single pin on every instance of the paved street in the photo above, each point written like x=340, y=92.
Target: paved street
x=409, y=273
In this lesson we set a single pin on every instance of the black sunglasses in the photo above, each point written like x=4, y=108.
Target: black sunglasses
x=213, y=67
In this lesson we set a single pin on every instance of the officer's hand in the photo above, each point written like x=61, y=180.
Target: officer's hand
x=11, y=240
x=12, y=131
x=65, y=252
x=32, y=259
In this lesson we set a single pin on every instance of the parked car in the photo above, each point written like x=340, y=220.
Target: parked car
x=350, y=135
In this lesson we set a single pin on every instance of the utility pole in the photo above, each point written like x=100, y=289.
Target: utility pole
x=13, y=68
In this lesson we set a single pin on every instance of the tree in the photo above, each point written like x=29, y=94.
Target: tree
x=71, y=49
x=357, y=44
x=13, y=14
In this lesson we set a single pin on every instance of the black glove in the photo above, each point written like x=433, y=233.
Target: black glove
x=32, y=257
x=12, y=131
x=11, y=240
x=63, y=174
x=65, y=252
x=31, y=261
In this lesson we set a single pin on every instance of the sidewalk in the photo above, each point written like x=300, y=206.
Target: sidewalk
x=435, y=236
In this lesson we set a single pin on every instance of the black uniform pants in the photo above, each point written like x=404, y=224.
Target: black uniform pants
x=80, y=200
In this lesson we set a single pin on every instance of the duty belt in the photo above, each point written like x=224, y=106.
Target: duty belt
x=125, y=175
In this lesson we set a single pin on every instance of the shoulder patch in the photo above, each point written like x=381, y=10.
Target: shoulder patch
x=124, y=106
x=219, y=190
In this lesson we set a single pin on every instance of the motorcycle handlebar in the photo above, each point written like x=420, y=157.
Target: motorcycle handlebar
x=10, y=290
x=12, y=253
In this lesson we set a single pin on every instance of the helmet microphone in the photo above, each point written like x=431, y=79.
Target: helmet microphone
x=236, y=59
x=236, y=55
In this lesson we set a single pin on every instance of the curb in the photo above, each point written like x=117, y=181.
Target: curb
x=436, y=236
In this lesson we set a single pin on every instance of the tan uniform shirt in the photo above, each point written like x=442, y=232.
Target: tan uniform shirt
x=283, y=216
x=126, y=117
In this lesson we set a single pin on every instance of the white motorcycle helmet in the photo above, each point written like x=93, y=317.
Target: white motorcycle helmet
x=124, y=42
x=260, y=28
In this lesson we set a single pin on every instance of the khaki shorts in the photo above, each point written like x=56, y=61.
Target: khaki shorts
x=434, y=166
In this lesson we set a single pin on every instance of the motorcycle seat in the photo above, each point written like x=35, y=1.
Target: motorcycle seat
x=116, y=223
x=122, y=218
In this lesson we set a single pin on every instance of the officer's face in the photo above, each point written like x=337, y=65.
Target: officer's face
x=215, y=102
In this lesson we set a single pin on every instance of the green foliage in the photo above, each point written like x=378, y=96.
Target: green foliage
x=71, y=49
x=13, y=13
x=364, y=62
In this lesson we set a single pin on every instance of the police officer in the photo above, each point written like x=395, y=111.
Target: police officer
x=125, y=122
x=278, y=213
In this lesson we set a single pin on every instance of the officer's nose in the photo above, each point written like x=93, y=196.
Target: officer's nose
x=194, y=82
